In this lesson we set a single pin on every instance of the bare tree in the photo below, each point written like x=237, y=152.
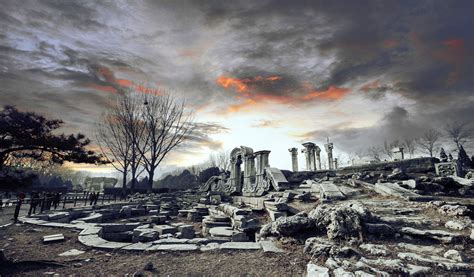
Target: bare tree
x=458, y=131
x=220, y=160
x=410, y=146
x=118, y=135
x=429, y=140
x=114, y=142
x=375, y=152
x=167, y=124
x=388, y=147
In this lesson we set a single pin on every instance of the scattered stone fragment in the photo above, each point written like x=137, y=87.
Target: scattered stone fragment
x=457, y=225
x=72, y=252
x=313, y=270
x=210, y=246
x=341, y=272
x=416, y=270
x=375, y=249
x=270, y=246
x=53, y=238
x=455, y=256
x=454, y=210
x=421, y=248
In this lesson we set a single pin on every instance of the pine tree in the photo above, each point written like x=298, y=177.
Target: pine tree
x=442, y=155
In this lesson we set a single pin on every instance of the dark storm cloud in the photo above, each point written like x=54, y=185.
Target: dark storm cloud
x=407, y=42
x=66, y=57
x=200, y=137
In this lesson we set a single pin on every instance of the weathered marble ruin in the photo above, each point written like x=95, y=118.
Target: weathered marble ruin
x=98, y=184
x=446, y=169
x=294, y=158
x=398, y=153
x=329, y=146
x=349, y=230
x=310, y=155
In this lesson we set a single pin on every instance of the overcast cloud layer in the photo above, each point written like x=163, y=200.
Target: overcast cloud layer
x=359, y=72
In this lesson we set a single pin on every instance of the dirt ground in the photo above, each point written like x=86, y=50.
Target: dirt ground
x=30, y=257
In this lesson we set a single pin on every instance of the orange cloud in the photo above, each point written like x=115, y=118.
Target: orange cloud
x=125, y=83
x=243, y=85
x=331, y=94
x=370, y=86
x=241, y=106
x=247, y=91
x=390, y=43
x=236, y=83
x=103, y=88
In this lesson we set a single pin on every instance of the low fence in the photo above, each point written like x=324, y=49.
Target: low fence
x=75, y=200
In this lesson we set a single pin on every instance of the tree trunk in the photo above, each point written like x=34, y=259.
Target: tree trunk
x=150, y=180
x=124, y=183
x=134, y=179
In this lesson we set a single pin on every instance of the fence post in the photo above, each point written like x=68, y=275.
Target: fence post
x=85, y=199
x=64, y=204
x=75, y=200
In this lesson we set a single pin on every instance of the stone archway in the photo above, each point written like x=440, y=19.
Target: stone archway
x=239, y=155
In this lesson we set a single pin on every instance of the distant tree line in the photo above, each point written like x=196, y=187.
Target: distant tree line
x=429, y=143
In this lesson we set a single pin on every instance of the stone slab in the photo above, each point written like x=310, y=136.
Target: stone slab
x=393, y=189
x=210, y=246
x=279, y=180
x=139, y=246
x=171, y=241
x=270, y=246
x=330, y=191
x=173, y=247
x=165, y=229
x=53, y=238
x=90, y=231
x=91, y=240
x=111, y=245
x=241, y=246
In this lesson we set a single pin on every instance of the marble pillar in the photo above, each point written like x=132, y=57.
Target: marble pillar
x=310, y=155
x=249, y=169
x=318, y=157
x=329, y=146
x=294, y=158
x=235, y=173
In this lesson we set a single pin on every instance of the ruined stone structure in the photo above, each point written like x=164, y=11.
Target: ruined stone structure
x=294, y=158
x=398, y=153
x=310, y=154
x=318, y=157
x=447, y=169
x=329, y=146
x=97, y=184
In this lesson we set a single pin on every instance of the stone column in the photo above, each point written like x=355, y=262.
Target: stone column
x=262, y=160
x=335, y=163
x=318, y=157
x=249, y=169
x=329, y=146
x=235, y=173
x=310, y=158
x=294, y=158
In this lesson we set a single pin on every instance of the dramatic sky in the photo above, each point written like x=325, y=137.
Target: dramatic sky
x=265, y=74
